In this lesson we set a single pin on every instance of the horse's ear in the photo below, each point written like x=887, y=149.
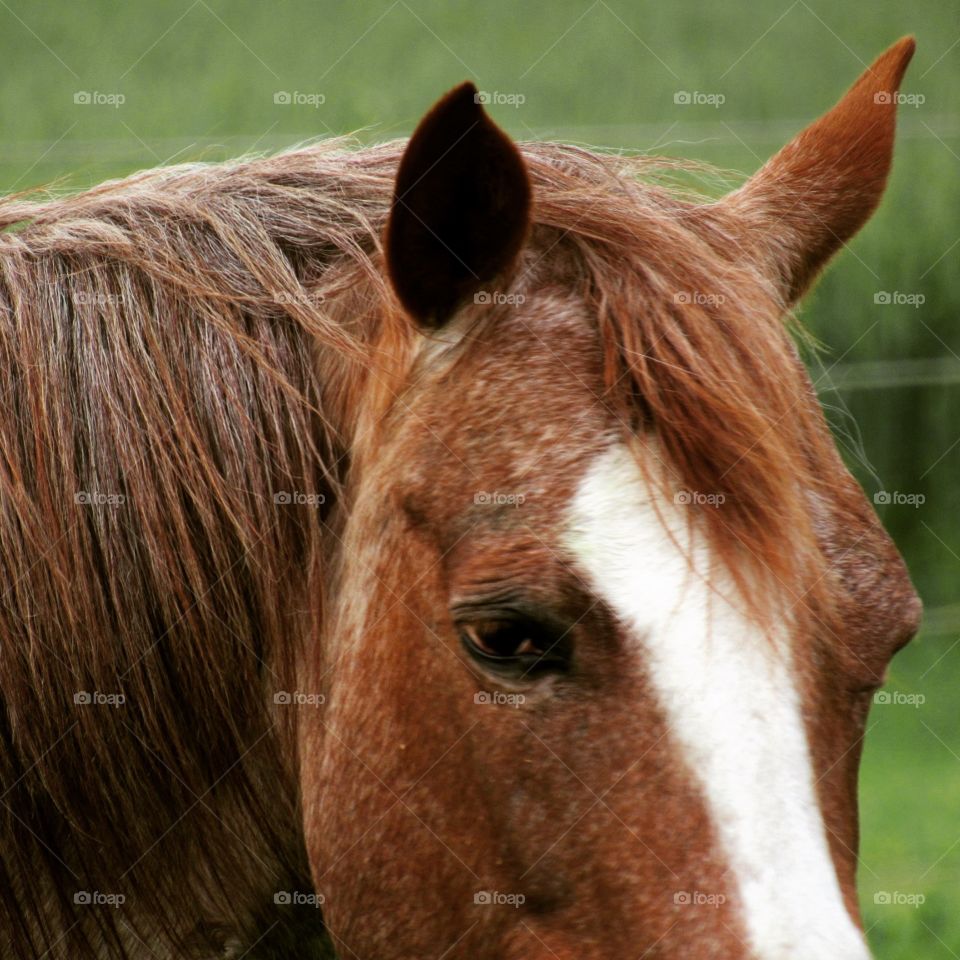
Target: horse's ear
x=814, y=195
x=461, y=208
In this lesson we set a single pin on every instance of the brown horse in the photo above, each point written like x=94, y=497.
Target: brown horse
x=435, y=550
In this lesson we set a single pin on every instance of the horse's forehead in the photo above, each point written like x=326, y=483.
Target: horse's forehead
x=519, y=403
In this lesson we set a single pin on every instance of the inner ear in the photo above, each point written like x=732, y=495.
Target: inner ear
x=461, y=208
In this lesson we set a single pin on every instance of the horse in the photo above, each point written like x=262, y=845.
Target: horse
x=436, y=549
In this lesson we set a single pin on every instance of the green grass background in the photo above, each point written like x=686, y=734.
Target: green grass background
x=199, y=78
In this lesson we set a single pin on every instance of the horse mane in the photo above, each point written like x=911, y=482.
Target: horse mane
x=181, y=347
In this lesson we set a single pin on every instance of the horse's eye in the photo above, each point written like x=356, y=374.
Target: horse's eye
x=518, y=646
x=501, y=638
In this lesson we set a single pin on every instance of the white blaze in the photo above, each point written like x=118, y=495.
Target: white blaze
x=727, y=692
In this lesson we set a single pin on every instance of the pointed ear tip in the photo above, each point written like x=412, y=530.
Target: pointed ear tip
x=894, y=61
x=906, y=46
x=883, y=76
x=465, y=92
x=463, y=99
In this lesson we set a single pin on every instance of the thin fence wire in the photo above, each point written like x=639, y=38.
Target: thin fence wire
x=888, y=374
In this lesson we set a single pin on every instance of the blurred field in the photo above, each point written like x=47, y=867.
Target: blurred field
x=199, y=80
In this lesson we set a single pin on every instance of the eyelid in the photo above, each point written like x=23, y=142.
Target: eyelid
x=489, y=608
x=485, y=610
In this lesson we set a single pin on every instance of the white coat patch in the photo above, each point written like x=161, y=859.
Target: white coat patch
x=727, y=691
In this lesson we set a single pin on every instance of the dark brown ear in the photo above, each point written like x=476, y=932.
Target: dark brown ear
x=817, y=192
x=461, y=208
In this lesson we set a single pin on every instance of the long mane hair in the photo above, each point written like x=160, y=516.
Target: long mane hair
x=180, y=349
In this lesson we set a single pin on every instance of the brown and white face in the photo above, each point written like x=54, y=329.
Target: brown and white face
x=554, y=727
